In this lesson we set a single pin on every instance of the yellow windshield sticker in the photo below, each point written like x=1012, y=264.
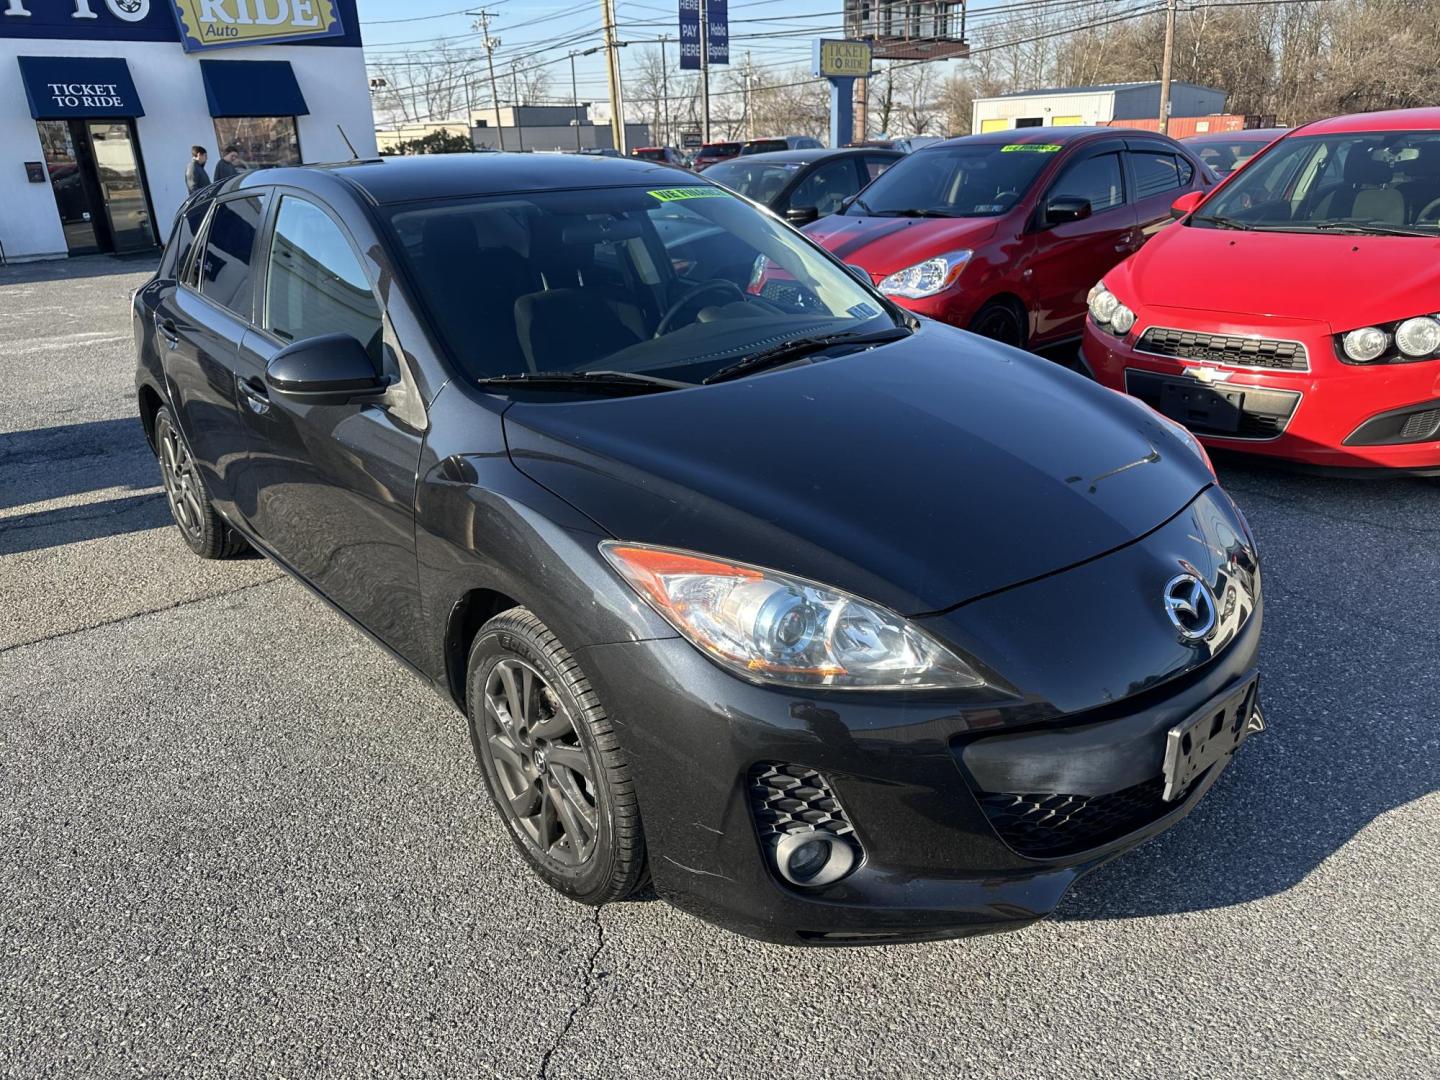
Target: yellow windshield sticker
x=1032, y=147
x=675, y=194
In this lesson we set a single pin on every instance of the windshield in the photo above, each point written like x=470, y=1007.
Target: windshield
x=975, y=180
x=765, y=146
x=1225, y=155
x=676, y=283
x=1383, y=182
x=650, y=153
x=757, y=180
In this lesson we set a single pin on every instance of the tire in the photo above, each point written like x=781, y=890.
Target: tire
x=1001, y=321
x=535, y=759
x=203, y=529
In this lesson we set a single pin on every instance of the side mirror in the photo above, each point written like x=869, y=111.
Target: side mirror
x=861, y=273
x=1063, y=208
x=333, y=369
x=1185, y=204
x=802, y=215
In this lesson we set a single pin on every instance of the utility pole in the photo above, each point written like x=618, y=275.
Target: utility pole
x=1165, y=65
x=519, y=127
x=575, y=100
x=665, y=90
x=491, y=44
x=617, y=96
x=704, y=73
x=746, y=74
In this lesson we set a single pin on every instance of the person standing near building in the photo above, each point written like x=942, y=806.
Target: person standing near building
x=195, y=175
x=229, y=164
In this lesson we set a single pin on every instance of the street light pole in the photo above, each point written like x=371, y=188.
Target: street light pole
x=1165, y=66
x=665, y=91
x=519, y=127
x=704, y=73
x=575, y=100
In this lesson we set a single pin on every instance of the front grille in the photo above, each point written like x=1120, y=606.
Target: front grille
x=1225, y=349
x=794, y=798
x=1044, y=826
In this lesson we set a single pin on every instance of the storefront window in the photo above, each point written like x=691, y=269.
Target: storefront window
x=264, y=141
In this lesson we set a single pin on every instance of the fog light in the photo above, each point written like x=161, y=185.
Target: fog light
x=813, y=859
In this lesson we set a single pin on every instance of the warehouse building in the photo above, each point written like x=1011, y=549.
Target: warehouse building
x=1075, y=106
x=101, y=100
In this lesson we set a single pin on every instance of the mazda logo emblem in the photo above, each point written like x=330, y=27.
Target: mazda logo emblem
x=1191, y=606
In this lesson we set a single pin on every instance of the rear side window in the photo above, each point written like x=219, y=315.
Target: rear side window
x=1097, y=179
x=315, y=284
x=1156, y=173
x=182, y=240
x=226, y=273
x=874, y=166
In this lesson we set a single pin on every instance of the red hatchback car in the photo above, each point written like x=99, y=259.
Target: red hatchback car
x=1004, y=233
x=1296, y=311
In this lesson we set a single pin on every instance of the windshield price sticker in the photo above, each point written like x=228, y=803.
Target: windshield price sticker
x=676, y=194
x=1033, y=148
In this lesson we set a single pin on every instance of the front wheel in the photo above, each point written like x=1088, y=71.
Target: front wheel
x=552, y=762
x=1000, y=321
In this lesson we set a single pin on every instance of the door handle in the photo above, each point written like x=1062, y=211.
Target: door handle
x=169, y=333
x=255, y=394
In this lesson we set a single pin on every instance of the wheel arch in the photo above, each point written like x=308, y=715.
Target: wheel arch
x=468, y=614
x=1016, y=304
x=150, y=402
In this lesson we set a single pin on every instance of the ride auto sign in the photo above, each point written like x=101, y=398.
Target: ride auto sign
x=197, y=24
x=212, y=24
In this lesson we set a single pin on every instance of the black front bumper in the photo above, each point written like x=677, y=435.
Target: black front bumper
x=933, y=788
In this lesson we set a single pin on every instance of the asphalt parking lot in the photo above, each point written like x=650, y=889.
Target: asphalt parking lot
x=235, y=839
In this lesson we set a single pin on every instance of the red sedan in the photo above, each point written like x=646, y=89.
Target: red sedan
x=1296, y=311
x=1003, y=233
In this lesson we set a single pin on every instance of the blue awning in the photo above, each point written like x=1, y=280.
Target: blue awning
x=252, y=88
x=61, y=87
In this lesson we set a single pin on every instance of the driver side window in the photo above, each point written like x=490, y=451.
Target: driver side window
x=1097, y=179
x=827, y=187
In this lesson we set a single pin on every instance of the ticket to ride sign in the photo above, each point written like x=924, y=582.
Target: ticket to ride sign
x=214, y=24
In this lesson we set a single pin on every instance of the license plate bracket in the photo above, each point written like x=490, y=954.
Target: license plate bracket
x=1202, y=406
x=1208, y=736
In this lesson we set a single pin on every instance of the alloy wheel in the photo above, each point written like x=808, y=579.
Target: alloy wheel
x=177, y=472
x=546, y=780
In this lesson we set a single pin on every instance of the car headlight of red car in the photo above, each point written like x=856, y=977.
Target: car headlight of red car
x=926, y=278
x=1400, y=342
x=1107, y=310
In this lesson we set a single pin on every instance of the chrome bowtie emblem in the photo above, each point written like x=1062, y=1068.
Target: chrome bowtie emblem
x=1191, y=606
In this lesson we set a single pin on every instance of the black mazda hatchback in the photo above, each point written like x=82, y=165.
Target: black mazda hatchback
x=839, y=626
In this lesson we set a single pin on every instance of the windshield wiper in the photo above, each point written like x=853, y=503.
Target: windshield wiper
x=1224, y=222
x=857, y=201
x=1364, y=228
x=916, y=211
x=589, y=380
x=797, y=347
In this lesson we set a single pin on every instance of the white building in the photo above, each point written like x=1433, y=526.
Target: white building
x=1091, y=105
x=101, y=100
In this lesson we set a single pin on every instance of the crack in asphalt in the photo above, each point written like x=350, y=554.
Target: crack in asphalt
x=587, y=995
x=137, y=615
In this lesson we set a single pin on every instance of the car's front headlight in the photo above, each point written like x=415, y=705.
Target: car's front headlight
x=1400, y=342
x=1107, y=310
x=772, y=627
x=926, y=278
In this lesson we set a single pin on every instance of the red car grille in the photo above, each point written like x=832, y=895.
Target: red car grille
x=1225, y=349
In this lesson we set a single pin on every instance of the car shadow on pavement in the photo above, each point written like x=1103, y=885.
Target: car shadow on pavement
x=1350, y=689
x=44, y=465
x=79, y=266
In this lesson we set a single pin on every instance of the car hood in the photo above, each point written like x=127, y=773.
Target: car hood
x=883, y=245
x=919, y=474
x=1343, y=281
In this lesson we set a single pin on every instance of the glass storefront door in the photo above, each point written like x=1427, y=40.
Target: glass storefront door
x=122, y=184
x=75, y=194
x=99, y=185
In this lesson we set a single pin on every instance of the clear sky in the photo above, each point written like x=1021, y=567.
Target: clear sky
x=777, y=33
